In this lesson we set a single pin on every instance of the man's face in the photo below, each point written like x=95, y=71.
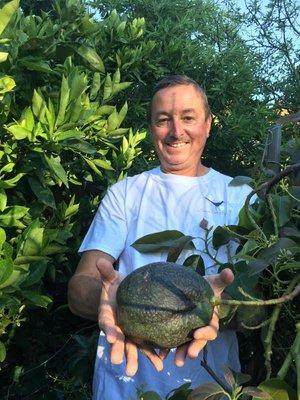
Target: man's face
x=179, y=129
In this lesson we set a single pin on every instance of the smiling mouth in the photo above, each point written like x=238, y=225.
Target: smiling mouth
x=176, y=144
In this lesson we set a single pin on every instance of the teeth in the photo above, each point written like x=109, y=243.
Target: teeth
x=180, y=144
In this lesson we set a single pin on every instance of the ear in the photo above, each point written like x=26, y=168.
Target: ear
x=208, y=125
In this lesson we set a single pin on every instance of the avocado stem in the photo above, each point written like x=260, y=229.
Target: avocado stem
x=216, y=301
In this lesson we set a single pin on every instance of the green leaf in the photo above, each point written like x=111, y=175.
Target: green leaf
x=3, y=57
x=6, y=13
x=36, y=272
x=220, y=237
x=79, y=145
x=6, y=269
x=12, y=279
x=195, y=261
x=240, y=180
x=64, y=101
x=2, y=346
x=12, y=214
x=269, y=255
x=161, y=241
x=57, y=169
x=33, y=240
x=3, y=199
x=113, y=121
x=2, y=237
x=38, y=106
x=37, y=299
x=95, y=87
x=43, y=193
x=91, y=57
x=91, y=164
x=70, y=134
x=19, y=132
x=103, y=164
x=10, y=183
x=180, y=393
x=181, y=243
x=6, y=82
x=207, y=391
x=150, y=395
x=277, y=389
x=283, y=206
x=108, y=85
x=256, y=393
x=35, y=64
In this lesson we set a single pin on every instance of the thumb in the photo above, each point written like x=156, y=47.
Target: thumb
x=106, y=270
x=220, y=281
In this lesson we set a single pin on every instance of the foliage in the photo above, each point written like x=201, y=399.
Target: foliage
x=62, y=143
x=267, y=258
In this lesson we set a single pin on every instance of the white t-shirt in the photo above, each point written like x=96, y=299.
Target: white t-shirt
x=148, y=203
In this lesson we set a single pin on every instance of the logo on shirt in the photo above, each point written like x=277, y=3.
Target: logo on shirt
x=217, y=204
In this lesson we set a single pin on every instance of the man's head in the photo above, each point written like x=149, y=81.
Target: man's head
x=180, y=125
x=175, y=80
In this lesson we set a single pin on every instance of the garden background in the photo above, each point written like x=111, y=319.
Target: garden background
x=75, y=82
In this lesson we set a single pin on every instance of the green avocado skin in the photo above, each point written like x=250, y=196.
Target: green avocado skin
x=162, y=303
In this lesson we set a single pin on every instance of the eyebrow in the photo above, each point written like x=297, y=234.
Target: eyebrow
x=186, y=111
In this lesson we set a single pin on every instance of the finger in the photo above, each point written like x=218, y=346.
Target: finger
x=131, y=354
x=180, y=355
x=195, y=347
x=153, y=357
x=209, y=332
x=117, y=351
x=220, y=281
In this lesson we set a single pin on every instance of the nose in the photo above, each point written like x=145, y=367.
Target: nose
x=176, y=128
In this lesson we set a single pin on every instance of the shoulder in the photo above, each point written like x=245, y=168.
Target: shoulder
x=131, y=182
x=236, y=194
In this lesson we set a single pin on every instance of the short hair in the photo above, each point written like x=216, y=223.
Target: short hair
x=175, y=80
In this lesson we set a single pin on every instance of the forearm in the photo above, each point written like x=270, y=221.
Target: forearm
x=84, y=296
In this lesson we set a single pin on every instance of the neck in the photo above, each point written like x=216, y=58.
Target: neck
x=198, y=170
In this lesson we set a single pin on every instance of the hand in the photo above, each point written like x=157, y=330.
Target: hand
x=203, y=335
x=108, y=323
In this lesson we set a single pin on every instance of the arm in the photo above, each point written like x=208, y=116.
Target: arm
x=84, y=288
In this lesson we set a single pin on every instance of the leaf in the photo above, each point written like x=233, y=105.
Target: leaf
x=269, y=255
x=220, y=237
x=37, y=299
x=79, y=145
x=33, y=240
x=283, y=206
x=95, y=87
x=113, y=121
x=240, y=180
x=12, y=279
x=6, y=82
x=181, y=243
x=3, y=199
x=10, y=183
x=6, y=13
x=195, y=261
x=161, y=241
x=6, y=269
x=2, y=237
x=228, y=375
x=35, y=64
x=91, y=57
x=19, y=132
x=150, y=395
x=63, y=102
x=43, y=193
x=2, y=346
x=57, y=169
x=290, y=231
x=277, y=389
x=38, y=106
x=207, y=391
x=103, y=164
x=180, y=393
x=3, y=57
x=36, y=272
x=12, y=214
x=70, y=134
x=107, y=87
x=256, y=392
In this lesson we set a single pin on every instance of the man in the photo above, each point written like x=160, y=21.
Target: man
x=177, y=195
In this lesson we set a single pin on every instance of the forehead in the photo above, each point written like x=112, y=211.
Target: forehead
x=176, y=99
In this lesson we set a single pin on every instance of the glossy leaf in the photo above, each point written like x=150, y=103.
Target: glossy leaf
x=43, y=193
x=181, y=244
x=207, y=391
x=6, y=13
x=6, y=269
x=2, y=346
x=195, y=261
x=92, y=58
x=150, y=395
x=256, y=393
x=277, y=389
x=57, y=169
x=3, y=199
x=19, y=132
x=240, y=180
x=162, y=241
x=37, y=299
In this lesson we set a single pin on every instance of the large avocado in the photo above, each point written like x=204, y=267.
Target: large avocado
x=162, y=303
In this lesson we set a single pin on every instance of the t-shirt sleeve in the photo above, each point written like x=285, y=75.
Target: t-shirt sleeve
x=108, y=229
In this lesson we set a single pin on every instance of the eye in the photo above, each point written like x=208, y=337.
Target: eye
x=188, y=118
x=162, y=121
